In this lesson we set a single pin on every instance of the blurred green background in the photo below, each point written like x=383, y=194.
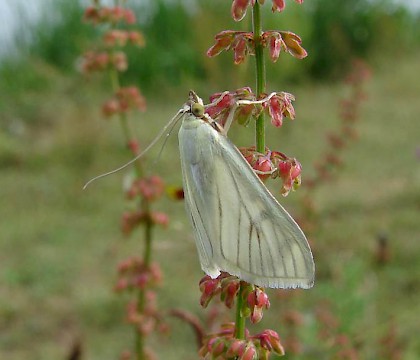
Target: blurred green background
x=59, y=246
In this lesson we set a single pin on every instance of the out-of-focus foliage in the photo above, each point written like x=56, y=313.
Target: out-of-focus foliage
x=170, y=56
x=60, y=35
x=178, y=33
x=342, y=30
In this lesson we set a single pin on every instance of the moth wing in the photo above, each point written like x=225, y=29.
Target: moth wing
x=239, y=227
x=197, y=175
x=259, y=241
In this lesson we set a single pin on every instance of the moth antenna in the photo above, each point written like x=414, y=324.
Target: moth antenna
x=171, y=122
x=164, y=143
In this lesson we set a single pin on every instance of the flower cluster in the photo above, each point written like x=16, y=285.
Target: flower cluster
x=243, y=43
x=117, y=37
x=227, y=286
x=130, y=220
x=103, y=60
x=221, y=105
x=113, y=15
x=151, y=188
x=276, y=106
x=134, y=274
x=148, y=189
x=239, y=7
x=223, y=345
x=275, y=164
x=124, y=100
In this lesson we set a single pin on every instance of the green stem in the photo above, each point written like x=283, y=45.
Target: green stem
x=240, y=320
x=260, y=75
x=259, y=141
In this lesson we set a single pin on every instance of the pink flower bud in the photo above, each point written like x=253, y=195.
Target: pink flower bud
x=284, y=168
x=239, y=8
x=236, y=348
x=276, y=43
x=156, y=272
x=289, y=171
x=250, y=353
x=129, y=16
x=160, y=218
x=256, y=315
x=151, y=188
x=230, y=293
x=263, y=164
x=261, y=298
x=239, y=50
x=141, y=281
x=293, y=44
x=270, y=341
x=121, y=285
x=115, y=37
x=134, y=146
x=224, y=40
x=209, y=287
x=296, y=169
x=278, y=5
x=218, y=347
x=119, y=61
x=110, y=107
x=242, y=43
x=136, y=38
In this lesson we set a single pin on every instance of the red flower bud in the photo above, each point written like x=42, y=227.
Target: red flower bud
x=236, y=348
x=263, y=165
x=209, y=287
x=160, y=218
x=270, y=341
x=250, y=353
x=278, y=5
x=239, y=8
x=293, y=44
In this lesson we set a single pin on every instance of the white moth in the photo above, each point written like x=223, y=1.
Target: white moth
x=239, y=227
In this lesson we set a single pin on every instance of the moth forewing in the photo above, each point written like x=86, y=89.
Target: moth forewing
x=239, y=227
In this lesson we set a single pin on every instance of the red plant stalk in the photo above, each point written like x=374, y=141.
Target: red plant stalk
x=138, y=276
x=233, y=340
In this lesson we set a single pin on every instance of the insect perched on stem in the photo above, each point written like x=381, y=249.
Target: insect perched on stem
x=239, y=227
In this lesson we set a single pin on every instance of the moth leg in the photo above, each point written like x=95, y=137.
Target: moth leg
x=239, y=103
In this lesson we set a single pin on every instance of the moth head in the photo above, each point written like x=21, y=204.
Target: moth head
x=197, y=110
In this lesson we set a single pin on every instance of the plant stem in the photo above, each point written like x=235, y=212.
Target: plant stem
x=259, y=140
x=141, y=294
x=260, y=75
x=240, y=320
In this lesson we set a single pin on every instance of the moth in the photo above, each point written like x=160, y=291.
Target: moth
x=239, y=226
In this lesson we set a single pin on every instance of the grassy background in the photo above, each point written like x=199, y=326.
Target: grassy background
x=59, y=246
